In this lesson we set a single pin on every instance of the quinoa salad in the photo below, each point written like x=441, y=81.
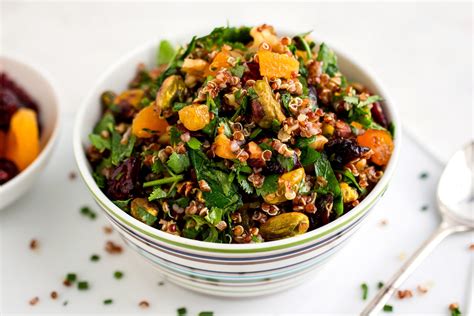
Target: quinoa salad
x=240, y=136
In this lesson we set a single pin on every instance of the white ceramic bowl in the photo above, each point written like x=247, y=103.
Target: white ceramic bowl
x=226, y=269
x=39, y=86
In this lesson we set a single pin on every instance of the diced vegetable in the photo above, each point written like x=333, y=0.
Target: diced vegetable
x=380, y=141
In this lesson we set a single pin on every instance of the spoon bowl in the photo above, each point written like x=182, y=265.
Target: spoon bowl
x=455, y=194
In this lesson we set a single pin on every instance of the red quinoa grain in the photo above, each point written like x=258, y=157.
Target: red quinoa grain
x=113, y=248
x=54, y=295
x=402, y=294
x=34, y=301
x=144, y=304
x=34, y=244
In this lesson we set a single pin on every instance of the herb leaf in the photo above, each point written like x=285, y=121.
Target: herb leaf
x=224, y=194
x=329, y=60
x=270, y=185
x=166, y=53
x=121, y=151
x=178, y=163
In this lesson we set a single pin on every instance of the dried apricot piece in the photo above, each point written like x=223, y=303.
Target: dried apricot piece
x=221, y=60
x=194, y=117
x=148, y=123
x=274, y=65
x=131, y=97
x=380, y=141
x=222, y=145
x=23, y=138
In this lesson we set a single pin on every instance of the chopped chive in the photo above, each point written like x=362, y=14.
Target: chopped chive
x=206, y=314
x=83, y=285
x=86, y=211
x=424, y=175
x=95, y=258
x=108, y=301
x=182, y=311
x=162, y=181
x=424, y=207
x=365, y=290
x=71, y=277
x=118, y=275
x=380, y=285
x=388, y=308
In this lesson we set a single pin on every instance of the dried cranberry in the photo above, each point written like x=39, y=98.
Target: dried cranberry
x=8, y=106
x=8, y=170
x=123, y=183
x=24, y=99
x=343, y=150
x=253, y=73
x=125, y=112
x=274, y=167
x=378, y=115
x=324, y=206
x=257, y=111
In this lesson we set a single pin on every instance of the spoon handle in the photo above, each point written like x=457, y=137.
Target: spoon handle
x=408, y=267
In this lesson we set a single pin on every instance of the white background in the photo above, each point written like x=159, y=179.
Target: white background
x=423, y=54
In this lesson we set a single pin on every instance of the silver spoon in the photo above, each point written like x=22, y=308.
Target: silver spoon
x=455, y=198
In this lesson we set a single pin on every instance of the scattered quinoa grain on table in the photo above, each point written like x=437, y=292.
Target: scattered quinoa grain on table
x=34, y=244
x=54, y=295
x=144, y=304
x=72, y=175
x=402, y=294
x=113, y=248
x=34, y=301
x=108, y=229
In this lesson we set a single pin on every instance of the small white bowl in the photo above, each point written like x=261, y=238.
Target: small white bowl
x=40, y=87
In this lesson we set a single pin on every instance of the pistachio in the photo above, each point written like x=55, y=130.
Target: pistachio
x=288, y=185
x=144, y=211
x=318, y=143
x=284, y=225
x=173, y=88
x=271, y=107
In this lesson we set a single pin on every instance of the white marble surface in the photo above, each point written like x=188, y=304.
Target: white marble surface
x=421, y=51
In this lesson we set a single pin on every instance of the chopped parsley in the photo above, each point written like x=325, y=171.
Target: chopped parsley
x=88, y=212
x=108, y=301
x=71, y=277
x=388, y=308
x=118, y=275
x=181, y=311
x=365, y=290
x=83, y=285
x=424, y=175
x=95, y=258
